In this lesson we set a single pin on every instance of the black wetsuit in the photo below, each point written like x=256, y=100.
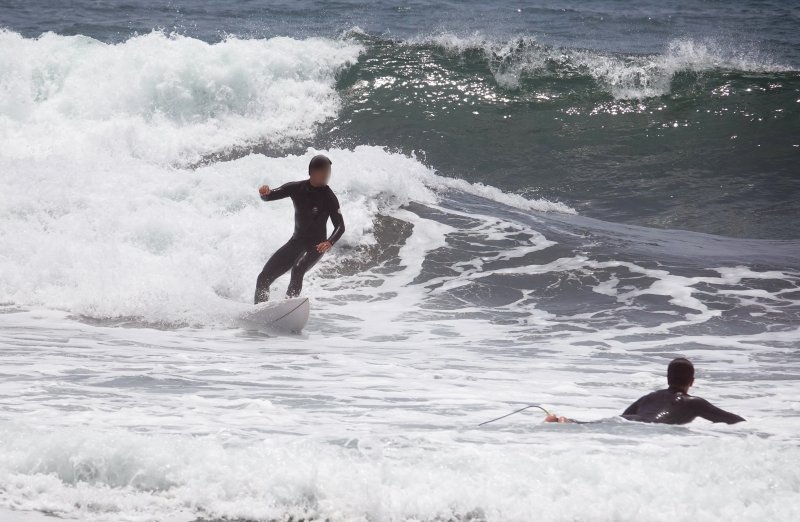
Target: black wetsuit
x=312, y=208
x=672, y=406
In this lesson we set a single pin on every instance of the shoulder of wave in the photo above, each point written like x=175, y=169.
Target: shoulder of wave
x=697, y=54
x=708, y=54
x=495, y=194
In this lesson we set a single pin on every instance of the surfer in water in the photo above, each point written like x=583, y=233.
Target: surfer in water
x=314, y=202
x=672, y=405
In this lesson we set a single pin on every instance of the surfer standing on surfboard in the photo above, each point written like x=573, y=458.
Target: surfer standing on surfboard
x=314, y=202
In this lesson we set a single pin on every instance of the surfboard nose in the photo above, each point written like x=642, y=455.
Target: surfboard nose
x=289, y=315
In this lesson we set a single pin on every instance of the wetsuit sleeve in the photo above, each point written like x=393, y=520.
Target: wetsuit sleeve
x=336, y=218
x=285, y=190
x=703, y=408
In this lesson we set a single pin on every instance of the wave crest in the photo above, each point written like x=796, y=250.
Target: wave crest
x=624, y=76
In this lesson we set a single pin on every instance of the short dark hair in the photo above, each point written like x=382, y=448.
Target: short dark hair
x=680, y=372
x=317, y=162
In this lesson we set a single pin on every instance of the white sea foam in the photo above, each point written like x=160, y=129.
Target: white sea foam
x=115, y=237
x=99, y=216
x=130, y=477
x=162, y=98
x=136, y=424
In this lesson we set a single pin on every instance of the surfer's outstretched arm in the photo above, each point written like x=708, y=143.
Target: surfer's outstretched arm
x=284, y=191
x=703, y=408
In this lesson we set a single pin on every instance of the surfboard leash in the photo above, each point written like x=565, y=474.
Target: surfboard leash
x=517, y=411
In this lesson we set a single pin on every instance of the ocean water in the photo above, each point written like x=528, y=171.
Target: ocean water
x=545, y=203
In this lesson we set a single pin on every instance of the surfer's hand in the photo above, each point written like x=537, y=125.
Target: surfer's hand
x=264, y=190
x=555, y=418
x=324, y=247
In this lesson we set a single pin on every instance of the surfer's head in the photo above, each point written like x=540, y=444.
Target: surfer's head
x=680, y=373
x=319, y=170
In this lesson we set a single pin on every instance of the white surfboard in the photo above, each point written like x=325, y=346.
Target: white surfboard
x=289, y=315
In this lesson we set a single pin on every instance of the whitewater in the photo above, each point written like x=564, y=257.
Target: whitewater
x=131, y=235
